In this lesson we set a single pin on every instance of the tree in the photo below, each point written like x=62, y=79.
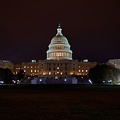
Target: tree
x=21, y=74
x=6, y=75
x=103, y=73
x=2, y=74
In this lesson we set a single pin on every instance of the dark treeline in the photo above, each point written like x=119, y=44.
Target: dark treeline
x=104, y=74
x=6, y=75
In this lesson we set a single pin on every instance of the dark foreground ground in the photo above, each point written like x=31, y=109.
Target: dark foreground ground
x=59, y=102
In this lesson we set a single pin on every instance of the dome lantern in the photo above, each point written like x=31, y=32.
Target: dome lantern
x=59, y=31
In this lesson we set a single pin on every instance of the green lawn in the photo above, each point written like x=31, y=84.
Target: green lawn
x=59, y=102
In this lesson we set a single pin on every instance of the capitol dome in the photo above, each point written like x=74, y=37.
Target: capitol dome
x=59, y=48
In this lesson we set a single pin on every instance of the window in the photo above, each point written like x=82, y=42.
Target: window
x=57, y=54
x=60, y=54
x=65, y=68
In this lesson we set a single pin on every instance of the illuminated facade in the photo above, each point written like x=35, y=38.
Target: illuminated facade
x=83, y=67
x=17, y=68
x=30, y=68
x=57, y=68
x=63, y=68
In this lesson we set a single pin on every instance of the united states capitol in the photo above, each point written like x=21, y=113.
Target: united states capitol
x=58, y=64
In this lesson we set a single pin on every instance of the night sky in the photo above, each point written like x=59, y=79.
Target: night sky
x=92, y=28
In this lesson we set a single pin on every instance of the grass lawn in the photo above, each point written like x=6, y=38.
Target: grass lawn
x=59, y=102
